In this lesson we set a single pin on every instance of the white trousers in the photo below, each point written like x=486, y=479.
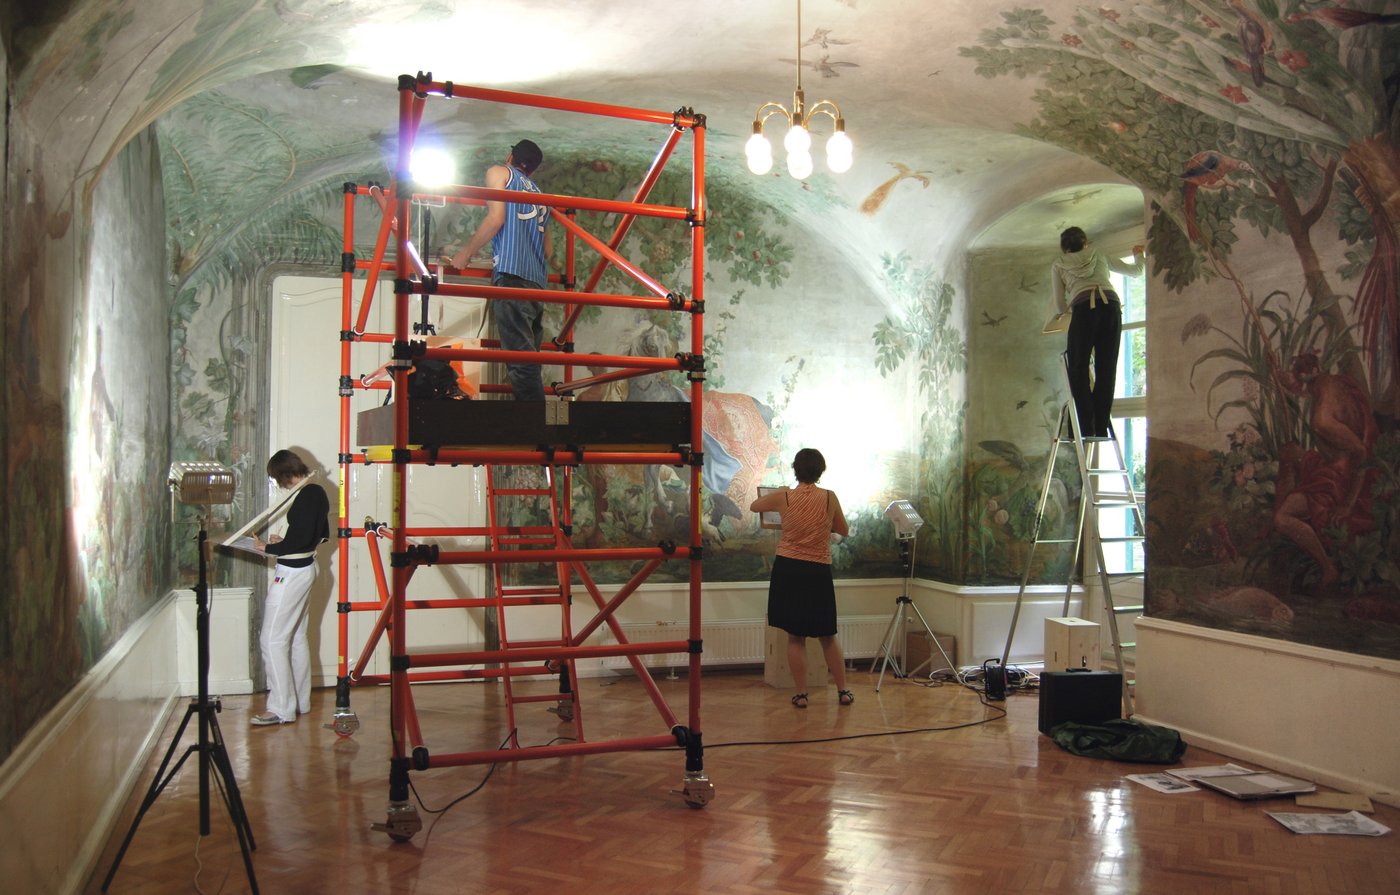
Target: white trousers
x=286, y=655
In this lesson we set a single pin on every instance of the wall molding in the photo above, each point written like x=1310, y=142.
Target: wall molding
x=1295, y=708
x=1274, y=646
x=64, y=787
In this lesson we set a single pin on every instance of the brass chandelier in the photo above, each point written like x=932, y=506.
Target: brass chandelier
x=798, y=141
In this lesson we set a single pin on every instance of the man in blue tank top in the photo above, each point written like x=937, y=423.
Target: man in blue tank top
x=520, y=245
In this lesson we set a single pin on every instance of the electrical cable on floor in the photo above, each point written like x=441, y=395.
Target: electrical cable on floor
x=199, y=864
x=858, y=736
x=474, y=790
x=965, y=678
x=885, y=733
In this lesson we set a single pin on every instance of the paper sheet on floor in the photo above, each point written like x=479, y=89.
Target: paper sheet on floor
x=1353, y=823
x=1163, y=783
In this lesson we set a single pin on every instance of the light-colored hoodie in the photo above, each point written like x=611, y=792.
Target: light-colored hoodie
x=1077, y=273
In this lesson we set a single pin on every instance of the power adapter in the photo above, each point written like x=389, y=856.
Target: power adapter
x=995, y=676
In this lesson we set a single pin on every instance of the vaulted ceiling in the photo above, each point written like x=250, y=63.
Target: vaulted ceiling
x=941, y=153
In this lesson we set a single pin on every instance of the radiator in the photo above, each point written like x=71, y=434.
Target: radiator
x=741, y=641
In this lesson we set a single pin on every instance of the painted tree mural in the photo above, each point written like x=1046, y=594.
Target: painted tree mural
x=1279, y=118
x=926, y=332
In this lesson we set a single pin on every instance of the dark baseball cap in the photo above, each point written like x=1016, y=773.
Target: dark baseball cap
x=527, y=155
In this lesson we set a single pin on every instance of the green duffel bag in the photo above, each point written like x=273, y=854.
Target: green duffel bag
x=1121, y=740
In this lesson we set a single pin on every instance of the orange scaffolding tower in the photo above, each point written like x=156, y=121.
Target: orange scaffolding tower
x=556, y=437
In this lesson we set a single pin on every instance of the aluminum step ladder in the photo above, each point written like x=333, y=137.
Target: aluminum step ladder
x=1099, y=460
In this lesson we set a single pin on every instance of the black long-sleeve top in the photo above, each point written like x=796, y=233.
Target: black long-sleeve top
x=307, y=526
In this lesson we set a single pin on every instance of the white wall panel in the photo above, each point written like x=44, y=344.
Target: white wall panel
x=305, y=414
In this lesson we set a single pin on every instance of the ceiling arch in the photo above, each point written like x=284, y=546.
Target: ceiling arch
x=917, y=108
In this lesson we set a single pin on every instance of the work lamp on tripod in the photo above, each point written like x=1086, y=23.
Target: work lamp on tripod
x=203, y=484
x=906, y=521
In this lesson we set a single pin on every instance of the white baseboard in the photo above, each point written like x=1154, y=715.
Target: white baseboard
x=1290, y=707
x=229, y=621
x=64, y=786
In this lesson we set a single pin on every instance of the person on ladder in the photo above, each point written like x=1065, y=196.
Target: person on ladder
x=1095, y=326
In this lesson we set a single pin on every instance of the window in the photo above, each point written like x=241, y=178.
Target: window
x=1130, y=425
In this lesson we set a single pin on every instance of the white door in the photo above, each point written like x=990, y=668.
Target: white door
x=305, y=416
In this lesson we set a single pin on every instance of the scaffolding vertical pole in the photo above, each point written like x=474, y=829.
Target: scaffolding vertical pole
x=564, y=497
x=698, y=789
x=407, y=816
x=697, y=399
x=343, y=720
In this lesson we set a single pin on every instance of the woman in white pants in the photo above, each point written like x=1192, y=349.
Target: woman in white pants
x=286, y=655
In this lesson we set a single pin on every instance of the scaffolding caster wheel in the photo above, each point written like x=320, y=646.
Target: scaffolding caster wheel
x=345, y=724
x=697, y=791
x=402, y=823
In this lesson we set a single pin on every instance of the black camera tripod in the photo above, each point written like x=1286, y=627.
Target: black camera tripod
x=210, y=746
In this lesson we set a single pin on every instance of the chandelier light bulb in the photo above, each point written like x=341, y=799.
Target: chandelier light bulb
x=800, y=165
x=759, y=154
x=798, y=140
x=839, y=153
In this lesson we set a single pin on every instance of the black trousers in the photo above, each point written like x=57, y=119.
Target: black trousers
x=1094, y=330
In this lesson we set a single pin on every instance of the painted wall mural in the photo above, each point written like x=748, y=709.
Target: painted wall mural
x=928, y=333
x=91, y=539
x=1263, y=131
x=279, y=204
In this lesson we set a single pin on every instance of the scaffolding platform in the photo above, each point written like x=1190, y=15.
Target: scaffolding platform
x=528, y=425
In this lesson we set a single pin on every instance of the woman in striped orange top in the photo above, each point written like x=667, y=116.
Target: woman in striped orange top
x=801, y=595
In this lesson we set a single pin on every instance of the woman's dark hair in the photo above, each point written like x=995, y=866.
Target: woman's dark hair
x=284, y=466
x=1073, y=240
x=808, y=465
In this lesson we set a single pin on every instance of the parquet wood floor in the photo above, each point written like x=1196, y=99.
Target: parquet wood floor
x=976, y=803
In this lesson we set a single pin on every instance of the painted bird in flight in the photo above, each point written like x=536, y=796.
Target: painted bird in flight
x=877, y=196
x=822, y=38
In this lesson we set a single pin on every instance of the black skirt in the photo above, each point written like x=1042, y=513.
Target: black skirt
x=802, y=598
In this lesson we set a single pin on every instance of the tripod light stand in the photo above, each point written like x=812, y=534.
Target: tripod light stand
x=204, y=485
x=906, y=524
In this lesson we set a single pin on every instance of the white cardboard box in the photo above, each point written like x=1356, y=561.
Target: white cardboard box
x=776, y=672
x=1071, y=643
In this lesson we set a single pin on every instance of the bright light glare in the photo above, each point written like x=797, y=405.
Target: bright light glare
x=859, y=443
x=839, y=153
x=437, y=44
x=797, y=140
x=800, y=165
x=431, y=166
x=759, y=153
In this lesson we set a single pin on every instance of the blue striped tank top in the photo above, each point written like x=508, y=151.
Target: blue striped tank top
x=518, y=247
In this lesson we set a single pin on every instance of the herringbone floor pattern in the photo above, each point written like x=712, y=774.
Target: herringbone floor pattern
x=974, y=803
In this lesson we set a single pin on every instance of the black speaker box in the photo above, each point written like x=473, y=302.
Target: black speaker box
x=1085, y=697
